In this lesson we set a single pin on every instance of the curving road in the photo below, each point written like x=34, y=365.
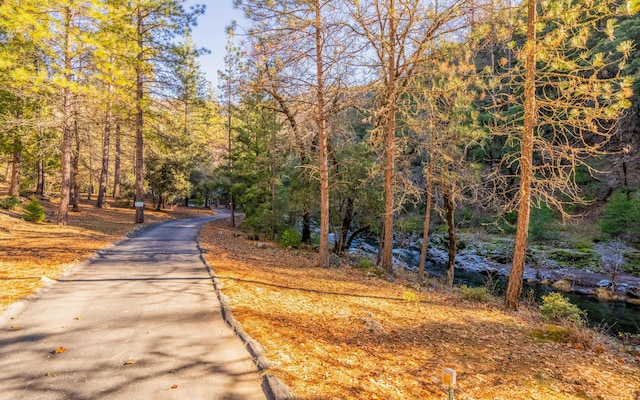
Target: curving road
x=140, y=321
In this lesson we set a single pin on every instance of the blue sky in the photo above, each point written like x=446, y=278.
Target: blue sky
x=210, y=33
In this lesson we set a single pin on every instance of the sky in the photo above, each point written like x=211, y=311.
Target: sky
x=211, y=34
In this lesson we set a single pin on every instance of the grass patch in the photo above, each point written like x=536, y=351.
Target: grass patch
x=474, y=293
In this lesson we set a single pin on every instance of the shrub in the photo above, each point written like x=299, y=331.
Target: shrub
x=10, y=203
x=410, y=297
x=33, y=212
x=620, y=214
x=553, y=333
x=365, y=263
x=474, y=293
x=556, y=307
x=291, y=238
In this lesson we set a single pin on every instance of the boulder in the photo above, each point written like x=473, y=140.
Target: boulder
x=634, y=301
x=562, y=285
x=373, y=327
x=261, y=245
x=633, y=292
x=604, y=283
x=604, y=293
x=334, y=260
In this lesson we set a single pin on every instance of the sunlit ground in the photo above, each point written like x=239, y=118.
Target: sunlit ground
x=341, y=334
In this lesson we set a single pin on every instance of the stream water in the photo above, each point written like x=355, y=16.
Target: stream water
x=613, y=317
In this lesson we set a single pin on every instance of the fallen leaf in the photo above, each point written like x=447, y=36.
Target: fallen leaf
x=15, y=326
x=129, y=362
x=78, y=318
x=59, y=350
x=174, y=386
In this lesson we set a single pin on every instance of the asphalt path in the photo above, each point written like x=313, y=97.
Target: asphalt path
x=141, y=320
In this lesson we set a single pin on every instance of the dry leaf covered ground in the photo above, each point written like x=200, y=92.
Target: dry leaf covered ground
x=344, y=333
x=348, y=334
x=31, y=251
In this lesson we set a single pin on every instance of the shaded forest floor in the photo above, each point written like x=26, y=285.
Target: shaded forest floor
x=31, y=251
x=349, y=334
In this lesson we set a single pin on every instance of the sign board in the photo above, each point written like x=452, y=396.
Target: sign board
x=139, y=204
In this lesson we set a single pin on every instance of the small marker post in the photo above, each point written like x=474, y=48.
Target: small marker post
x=449, y=380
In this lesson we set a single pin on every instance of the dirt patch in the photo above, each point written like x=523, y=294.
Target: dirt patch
x=348, y=334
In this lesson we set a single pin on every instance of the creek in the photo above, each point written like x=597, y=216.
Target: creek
x=610, y=316
x=613, y=317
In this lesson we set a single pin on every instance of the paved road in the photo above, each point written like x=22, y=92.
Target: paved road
x=140, y=321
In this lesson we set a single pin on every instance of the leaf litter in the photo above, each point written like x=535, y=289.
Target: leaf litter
x=347, y=334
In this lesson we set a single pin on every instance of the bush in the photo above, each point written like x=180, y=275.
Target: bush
x=556, y=307
x=410, y=296
x=365, y=263
x=10, y=203
x=620, y=214
x=33, y=212
x=291, y=238
x=553, y=333
x=474, y=293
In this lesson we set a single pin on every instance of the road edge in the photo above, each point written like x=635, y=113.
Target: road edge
x=272, y=386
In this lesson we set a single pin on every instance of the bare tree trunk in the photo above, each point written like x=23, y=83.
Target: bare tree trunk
x=380, y=244
x=14, y=187
x=41, y=177
x=116, y=167
x=306, y=227
x=75, y=169
x=230, y=134
x=67, y=130
x=139, y=153
x=449, y=206
x=341, y=245
x=514, y=287
x=273, y=179
x=427, y=218
x=323, y=257
x=104, y=170
x=389, y=168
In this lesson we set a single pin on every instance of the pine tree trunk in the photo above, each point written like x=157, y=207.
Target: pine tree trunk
x=323, y=257
x=306, y=227
x=67, y=130
x=104, y=170
x=389, y=168
x=345, y=227
x=449, y=206
x=139, y=153
x=75, y=169
x=514, y=286
x=14, y=187
x=116, y=167
x=427, y=218
x=41, y=178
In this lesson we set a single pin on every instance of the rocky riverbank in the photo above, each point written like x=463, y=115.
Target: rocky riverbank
x=570, y=268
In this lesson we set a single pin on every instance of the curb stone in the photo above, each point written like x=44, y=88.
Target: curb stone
x=273, y=387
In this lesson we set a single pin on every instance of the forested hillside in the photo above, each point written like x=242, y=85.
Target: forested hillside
x=339, y=120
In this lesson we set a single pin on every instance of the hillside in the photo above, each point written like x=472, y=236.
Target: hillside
x=348, y=334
